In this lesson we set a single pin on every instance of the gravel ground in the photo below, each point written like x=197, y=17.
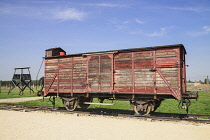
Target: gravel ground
x=12, y=100
x=54, y=126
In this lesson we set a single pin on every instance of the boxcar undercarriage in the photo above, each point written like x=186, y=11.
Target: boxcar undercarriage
x=141, y=104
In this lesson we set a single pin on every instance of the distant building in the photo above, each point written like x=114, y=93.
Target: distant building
x=197, y=84
x=206, y=80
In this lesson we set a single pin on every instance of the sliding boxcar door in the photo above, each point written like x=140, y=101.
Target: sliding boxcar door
x=100, y=73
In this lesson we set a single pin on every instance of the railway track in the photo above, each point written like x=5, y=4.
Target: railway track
x=189, y=118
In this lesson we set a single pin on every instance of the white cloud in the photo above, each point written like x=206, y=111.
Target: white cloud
x=139, y=21
x=119, y=24
x=23, y=11
x=4, y=11
x=44, y=2
x=43, y=13
x=121, y=27
x=118, y=21
x=158, y=33
x=205, y=31
x=161, y=32
x=110, y=5
x=125, y=22
x=137, y=32
x=184, y=8
x=192, y=9
x=69, y=14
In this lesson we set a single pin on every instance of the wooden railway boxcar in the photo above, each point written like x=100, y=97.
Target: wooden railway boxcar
x=143, y=76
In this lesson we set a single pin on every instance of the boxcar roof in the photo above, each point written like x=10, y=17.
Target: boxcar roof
x=51, y=49
x=123, y=50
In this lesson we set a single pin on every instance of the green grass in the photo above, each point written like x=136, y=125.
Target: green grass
x=15, y=94
x=42, y=102
x=122, y=105
x=119, y=104
x=202, y=106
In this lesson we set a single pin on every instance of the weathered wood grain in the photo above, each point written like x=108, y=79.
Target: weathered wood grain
x=166, y=53
x=128, y=72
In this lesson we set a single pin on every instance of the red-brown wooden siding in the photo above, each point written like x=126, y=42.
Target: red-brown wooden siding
x=159, y=71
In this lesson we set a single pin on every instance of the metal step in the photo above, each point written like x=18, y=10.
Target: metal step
x=98, y=103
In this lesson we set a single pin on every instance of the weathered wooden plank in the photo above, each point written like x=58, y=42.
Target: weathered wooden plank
x=165, y=90
x=107, y=79
x=174, y=69
x=173, y=61
x=79, y=58
x=108, y=84
x=144, y=89
x=51, y=64
x=124, y=89
x=79, y=79
x=166, y=53
x=124, y=65
x=49, y=68
x=78, y=90
x=123, y=71
x=123, y=57
x=144, y=84
x=51, y=61
x=143, y=55
x=64, y=90
x=144, y=80
x=123, y=84
x=123, y=79
x=140, y=64
x=79, y=66
x=142, y=73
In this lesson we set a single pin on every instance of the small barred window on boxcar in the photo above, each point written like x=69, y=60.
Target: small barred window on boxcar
x=48, y=53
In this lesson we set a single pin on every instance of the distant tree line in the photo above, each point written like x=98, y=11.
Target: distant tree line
x=202, y=82
x=189, y=81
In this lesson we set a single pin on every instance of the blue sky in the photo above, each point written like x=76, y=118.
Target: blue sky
x=29, y=27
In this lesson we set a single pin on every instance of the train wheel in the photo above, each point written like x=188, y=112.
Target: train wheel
x=82, y=100
x=70, y=105
x=144, y=108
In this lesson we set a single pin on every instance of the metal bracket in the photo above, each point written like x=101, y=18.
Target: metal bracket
x=52, y=101
x=184, y=104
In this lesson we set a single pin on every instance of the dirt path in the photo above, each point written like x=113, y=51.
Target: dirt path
x=12, y=100
x=53, y=126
